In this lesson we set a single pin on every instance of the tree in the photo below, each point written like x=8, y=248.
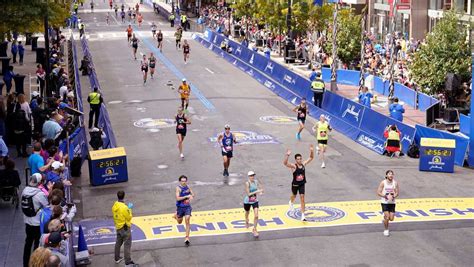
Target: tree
x=28, y=16
x=320, y=16
x=446, y=51
x=348, y=36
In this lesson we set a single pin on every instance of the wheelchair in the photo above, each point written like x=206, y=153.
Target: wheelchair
x=10, y=194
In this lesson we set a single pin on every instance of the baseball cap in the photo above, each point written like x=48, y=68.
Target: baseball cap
x=184, y=79
x=56, y=165
x=63, y=105
x=35, y=93
x=227, y=126
x=251, y=173
x=54, y=238
x=35, y=179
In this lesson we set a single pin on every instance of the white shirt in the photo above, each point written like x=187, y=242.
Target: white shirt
x=62, y=91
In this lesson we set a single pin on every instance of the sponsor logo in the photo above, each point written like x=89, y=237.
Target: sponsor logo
x=279, y=119
x=370, y=143
x=238, y=51
x=351, y=110
x=317, y=214
x=215, y=39
x=289, y=79
x=235, y=62
x=154, y=123
x=269, y=67
x=269, y=84
x=251, y=59
x=406, y=138
x=109, y=175
x=206, y=34
x=436, y=163
x=250, y=72
x=211, y=46
x=248, y=138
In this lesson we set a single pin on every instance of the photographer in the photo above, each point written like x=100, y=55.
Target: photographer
x=393, y=146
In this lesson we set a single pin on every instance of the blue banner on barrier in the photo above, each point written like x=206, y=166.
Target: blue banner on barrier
x=425, y=101
x=464, y=124
x=405, y=94
x=371, y=142
x=352, y=112
x=349, y=77
x=461, y=142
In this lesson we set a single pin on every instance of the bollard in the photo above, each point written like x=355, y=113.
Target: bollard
x=19, y=81
x=5, y=64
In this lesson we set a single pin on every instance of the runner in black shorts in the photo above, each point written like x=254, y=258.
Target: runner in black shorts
x=299, y=177
x=144, y=68
x=159, y=38
x=186, y=51
x=253, y=188
x=134, y=46
x=181, y=122
x=388, y=191
x=226, y=141
x=302, y=111
x=152, y=64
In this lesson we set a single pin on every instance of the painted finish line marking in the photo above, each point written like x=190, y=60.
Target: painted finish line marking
x=274, y=218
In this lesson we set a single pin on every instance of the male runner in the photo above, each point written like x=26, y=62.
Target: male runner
x=144, y=68
x=252, y=188
x=129, y=15
x=152, y=64
x=185, y=91
x=116, y=10
x=140, y=19
x=159, y=37
x=129, y=31
x=134, y=42
x=184, y=195
x=302, y=111
x=122, y=15
x=178, y=34
x=226, y=140
x=388, y=190
x=107, y=18
x=299, y=177
x=181, y=122
x=322, y=129
x=186, y=51
x=153, y=29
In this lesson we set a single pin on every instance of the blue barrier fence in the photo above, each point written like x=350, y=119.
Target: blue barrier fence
x=104, y=120
x=361, y=124
x=464, y=124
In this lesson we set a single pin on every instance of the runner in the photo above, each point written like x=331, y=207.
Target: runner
x=122, y=7
x=116, y=10
x=152, y=64
x=185, y=91
x=388, y=191
x=226, y=140
x=107, y=18
x=137, y=7
x=299, y=177
x=92, y=6
x=252, y=188
x=129, y=15
x=181, y=122
x=144, y=68
x=110, y=4
x=140, y=19
x=122, y=14
x=184, y=195
x=302, y=111
x=178, y=34
x=322, y=128
x=134, y=42
x=153, y=28
x=129, y=31
x=159, y=37
x=186, y=51
x=134, y=16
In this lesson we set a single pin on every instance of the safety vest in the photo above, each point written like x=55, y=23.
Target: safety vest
x=393, y=139
x=76, y=6
x=94, y=98
x=322, y=131
x=318, y=86
x=183, y=18
x=171, y=17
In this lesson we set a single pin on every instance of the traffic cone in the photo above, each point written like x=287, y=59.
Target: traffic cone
x=81, y=242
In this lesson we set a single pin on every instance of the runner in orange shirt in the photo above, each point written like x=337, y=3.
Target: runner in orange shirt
x=129, y=31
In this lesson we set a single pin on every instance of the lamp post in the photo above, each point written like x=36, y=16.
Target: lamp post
x=48, y=87
x=362, y=54
x=172, y=7
x=391, y=87
x=334, y=50
x=288, y=19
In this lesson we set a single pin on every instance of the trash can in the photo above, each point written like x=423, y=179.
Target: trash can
x=5, y=64
x=19, y=80
x=34, y=43
x=28, y=38
x=3, y=49
x=1, y=86
x=40, y=55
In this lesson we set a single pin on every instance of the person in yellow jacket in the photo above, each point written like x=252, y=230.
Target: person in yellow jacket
x=123, y=224
x=322, y=129
x=95, y=100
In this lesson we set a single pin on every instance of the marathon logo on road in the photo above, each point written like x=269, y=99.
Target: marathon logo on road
x=279, y=119
x=248, y=138
x=154, y=123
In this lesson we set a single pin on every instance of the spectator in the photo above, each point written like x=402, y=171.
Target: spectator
x=14, y=51
x=365, y=97
x=21, y=127
x=9, y=176
x=40, y=77
x=51, y=128
x=3, y=150
x=123, y=223
x=36, y=162
x=32, y=200
x=21, y=52
x=54, y=244
x=392, y=144
x=39, y=258
x=396, y=110
x=7, y=78
x=39, y=117
x=56, y=174
x=24, y=106
x=3, y=117
x=54, y=261
x=46, y=212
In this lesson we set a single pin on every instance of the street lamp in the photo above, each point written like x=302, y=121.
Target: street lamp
x=362, y=53
x=391, y=87
x=334, y=50
x=48, y=87
x=288, y=19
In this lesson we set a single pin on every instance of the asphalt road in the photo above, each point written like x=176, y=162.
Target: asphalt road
x=228, y=95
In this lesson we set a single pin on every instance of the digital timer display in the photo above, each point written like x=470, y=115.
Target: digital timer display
x=438, y=152
x=110, y=163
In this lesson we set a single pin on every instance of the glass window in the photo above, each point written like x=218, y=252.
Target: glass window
x=436, y=4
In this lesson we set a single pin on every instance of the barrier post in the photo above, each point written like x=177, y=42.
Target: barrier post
x=470, y=157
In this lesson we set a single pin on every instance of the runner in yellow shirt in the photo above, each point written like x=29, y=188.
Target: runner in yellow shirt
x=184, y=91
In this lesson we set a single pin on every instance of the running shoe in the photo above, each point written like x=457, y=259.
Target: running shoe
x=386, y=233
x=303, y=218
x=290, y=204
x=119, y=260
x=187, y=242
x=323, y=165
x=182, y=156
x=131, y=264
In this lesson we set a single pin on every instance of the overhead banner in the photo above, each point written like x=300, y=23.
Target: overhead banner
x=275, y=218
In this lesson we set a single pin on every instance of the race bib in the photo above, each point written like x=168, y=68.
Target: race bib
x=228, y=148
x=322, y=134
x=302, y=115
x=253, y=198
x=180, y=126
x=186, y=201
x=300, y=178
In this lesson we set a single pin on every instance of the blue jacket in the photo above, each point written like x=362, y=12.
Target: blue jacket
x=396, y=111
x=21, y=49
x=364, y=99
x=14, y=48
x=8, y=76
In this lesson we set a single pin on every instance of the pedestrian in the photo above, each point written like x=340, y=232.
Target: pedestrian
x=185, y=91
x=322, y=128
x=302, y=111
x=82, y=28
x=186, y=51
x=92, y=6
x=299, y=177
x=396, y=110
x=388, y=191
x=21, y=52
x=14, y=50
x=181, y=128
x=184, y=195
x=129, y=31
x=152, y=64
x=153, y=29
x=107, y=18
x=122, y=15
x=226, y=141
x=140, y=19
x=32, y=200
x=8, y=78
x=122, y=214
x=40, y=78
x=95, y=100
x=318, y=88
x=313, y=75
x=253, y=187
